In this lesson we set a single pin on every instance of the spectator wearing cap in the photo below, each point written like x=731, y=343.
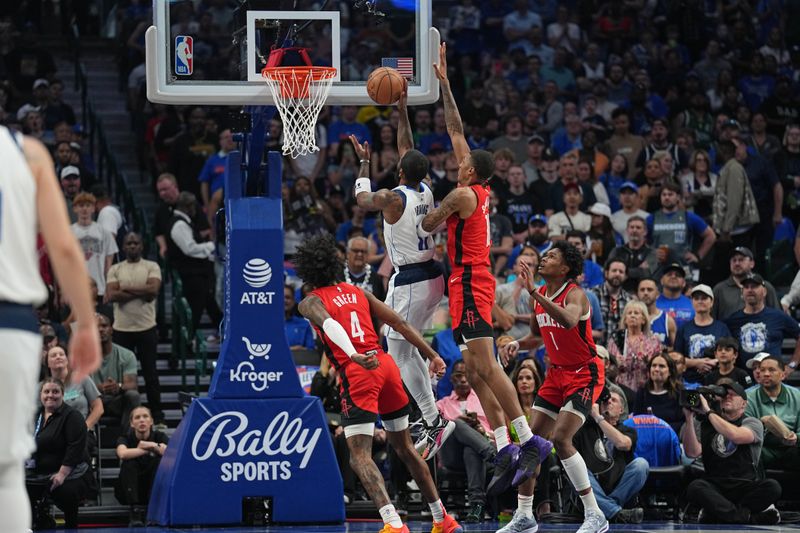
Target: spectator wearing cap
x=603, y=239
x=625, y=194
x=759, y=328
x=519, y=204
x=500, y=229
x=70, y=185
x=659, y=141
x=568, y=175
x=726, y=351
x=672, y=299
x=571, y=218
x=512, y=138
x=734, y=212
x=697, y=337
x=613, y=297
x=538, y=238
x=97, y=243
x=728, y=296
x=699, y=185
x=773, y=398
x=678, y=229
x=622, y=141
x=536, y=147
x=754, y=365
x=732, y=490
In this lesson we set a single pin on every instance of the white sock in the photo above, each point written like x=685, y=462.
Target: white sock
x=414, y=371
x=501, y=437
x=437, y=510
x=522, y=428
x=390, y=516
x=525, y=505
x=577, y=473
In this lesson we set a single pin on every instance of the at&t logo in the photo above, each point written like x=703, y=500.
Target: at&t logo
x=257, y=274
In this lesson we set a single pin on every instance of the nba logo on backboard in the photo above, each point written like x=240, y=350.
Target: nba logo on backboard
x=184, y=62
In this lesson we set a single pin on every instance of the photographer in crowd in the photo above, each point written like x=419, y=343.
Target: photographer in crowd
x=733, y=491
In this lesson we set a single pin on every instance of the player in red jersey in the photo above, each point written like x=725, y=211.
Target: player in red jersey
x=471, y=296
x=371, y=385
x=574, y=381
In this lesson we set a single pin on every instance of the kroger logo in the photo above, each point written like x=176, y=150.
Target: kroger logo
x=246, y=372
x=257, y=273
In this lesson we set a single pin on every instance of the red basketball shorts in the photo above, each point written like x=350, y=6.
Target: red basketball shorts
x=580, y=385
x=471, y=295
x=368, y=393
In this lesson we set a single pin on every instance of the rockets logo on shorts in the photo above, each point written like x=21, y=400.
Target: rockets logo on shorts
x=184, y=55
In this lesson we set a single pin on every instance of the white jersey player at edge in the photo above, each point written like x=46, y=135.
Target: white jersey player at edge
x=417, y=285
x=31, y=201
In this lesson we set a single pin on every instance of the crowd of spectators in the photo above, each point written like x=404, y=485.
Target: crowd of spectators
x=662, y=138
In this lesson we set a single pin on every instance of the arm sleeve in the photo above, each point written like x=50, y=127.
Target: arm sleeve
x=75, y=436
x=129, y=363
x=90, y=390
x=182, y=236
x=754, y=425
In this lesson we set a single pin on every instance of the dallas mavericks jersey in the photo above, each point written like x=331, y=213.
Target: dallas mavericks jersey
x=658, y=327
x=403, y=244
x=19, y=264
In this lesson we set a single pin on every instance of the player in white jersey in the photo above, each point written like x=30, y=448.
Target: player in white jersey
x=31, y=201
x=417, y=285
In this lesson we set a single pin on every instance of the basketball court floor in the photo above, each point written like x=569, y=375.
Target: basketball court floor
x=425, y=527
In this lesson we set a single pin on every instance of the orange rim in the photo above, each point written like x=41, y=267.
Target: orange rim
x=294, y=81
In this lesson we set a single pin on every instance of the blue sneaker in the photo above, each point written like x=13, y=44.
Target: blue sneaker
x=531, y=455
x=520, y=524
x=505, y=465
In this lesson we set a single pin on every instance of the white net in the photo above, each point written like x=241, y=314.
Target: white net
x=299, y=93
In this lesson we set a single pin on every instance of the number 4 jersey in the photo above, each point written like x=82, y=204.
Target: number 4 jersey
x=348, y=306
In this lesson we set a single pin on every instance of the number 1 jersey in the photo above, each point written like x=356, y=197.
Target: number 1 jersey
x=348, y=306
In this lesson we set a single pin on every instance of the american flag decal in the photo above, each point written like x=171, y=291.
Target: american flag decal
x=403, y=65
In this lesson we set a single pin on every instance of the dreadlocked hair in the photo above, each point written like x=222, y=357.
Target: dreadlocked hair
x=317, y=262
x=572, y=258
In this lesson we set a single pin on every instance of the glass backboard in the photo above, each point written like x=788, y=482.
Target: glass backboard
x=215, y=56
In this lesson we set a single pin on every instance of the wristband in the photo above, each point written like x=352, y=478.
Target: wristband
x=338, y=336
x=363, y=185
x=364, y=161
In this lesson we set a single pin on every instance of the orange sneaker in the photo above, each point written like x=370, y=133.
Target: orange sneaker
x=389, y=529
x=448, y=525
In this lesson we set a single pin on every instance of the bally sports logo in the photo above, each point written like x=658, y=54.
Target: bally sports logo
x=254, y=454
x=257, y=274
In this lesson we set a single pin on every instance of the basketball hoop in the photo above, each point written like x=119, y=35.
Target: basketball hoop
x=299, y=93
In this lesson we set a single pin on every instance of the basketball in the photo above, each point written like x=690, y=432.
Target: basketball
x=385, y=85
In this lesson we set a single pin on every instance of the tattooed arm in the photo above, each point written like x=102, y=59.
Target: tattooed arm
x=456, y=201
x=455, y=128
x=373, y=201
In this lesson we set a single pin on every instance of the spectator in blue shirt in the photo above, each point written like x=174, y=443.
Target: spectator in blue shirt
x=339, y=131
x=212, y=176
x=568, y=138
x=299, y=333
x=438, y=137
x=757, y=86
x=672, y=300
x=695, y=336
x=759, y=328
